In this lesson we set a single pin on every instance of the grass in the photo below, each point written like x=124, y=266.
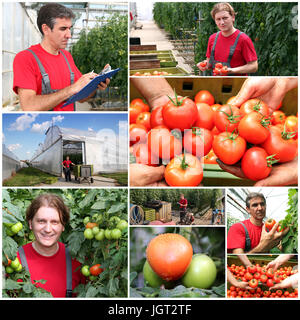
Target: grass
x=29, y=177
x=120, y=177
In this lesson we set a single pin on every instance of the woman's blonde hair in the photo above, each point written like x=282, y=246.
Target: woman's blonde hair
x=222, y=6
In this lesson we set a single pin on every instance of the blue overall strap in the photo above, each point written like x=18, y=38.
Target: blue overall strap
x=247, y=240
x=232, y=48
x=69, y=273
x=23, y=258
x=71, y=72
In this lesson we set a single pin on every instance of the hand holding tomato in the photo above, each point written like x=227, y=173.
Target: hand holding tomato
x=144, y=175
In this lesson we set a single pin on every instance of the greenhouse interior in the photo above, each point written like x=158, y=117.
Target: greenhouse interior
x=102, y=23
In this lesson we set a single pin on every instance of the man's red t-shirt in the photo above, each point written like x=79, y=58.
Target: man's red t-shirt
x=67, y=163
x=236, y=236
x=52, y=269
x=244, y=52
x=27, y=74
x=183, y=203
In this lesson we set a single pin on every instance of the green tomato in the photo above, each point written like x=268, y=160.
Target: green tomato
x=114, y=218
x=122, y=224
x=153, y=280
x=116, y=233
x=85, y=270
x=93, y=278
x=100, y=235
x=107, y=234
x=95, y=216
x=15, y=263
x=88, y=234
x=9, y=269
x=19, y=269
x=16, y=227
x=9, y=232
x=201, y=272
x=95, y=230
x=86, y=220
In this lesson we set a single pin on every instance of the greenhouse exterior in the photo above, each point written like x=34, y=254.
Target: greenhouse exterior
x=10, y=163
x=105, y=151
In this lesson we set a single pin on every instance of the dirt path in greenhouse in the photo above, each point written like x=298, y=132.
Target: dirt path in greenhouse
x=151, y=34
x=98, y=182
x=204, y=220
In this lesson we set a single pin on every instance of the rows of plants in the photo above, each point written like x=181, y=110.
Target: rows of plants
x=271, y=26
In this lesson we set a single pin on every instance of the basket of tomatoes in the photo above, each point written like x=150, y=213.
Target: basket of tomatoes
x=196, y=138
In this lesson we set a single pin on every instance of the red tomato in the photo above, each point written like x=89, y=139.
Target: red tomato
x=280, y=228
x=251, y=269
x=210, y=158
x=219, y=65
x=291, y=125
x=205, y=117
x=96, y=270
x=216, y=106
x=197, y=141
x=263, y=278
x=224, y=70
x=270, y=283
x=227, y=118
x=203, y=64
x=134, y=111
x=230, y=100
x=269, y=225
x=254, y=105
x=137, y=133
x=163, y=144
x=139, y=102
x=281, y=145
x=254, y=127
x=278, y=117
x=144, y=156
x=248, y=276
x=144, y=119
x=229, y=148
x=256, y=164
x=156, y=118
x=204, y=96
x=253, y=283
x=180, y=113
x=184, y=171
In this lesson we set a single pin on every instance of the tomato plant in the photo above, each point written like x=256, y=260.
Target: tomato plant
x=96, y=206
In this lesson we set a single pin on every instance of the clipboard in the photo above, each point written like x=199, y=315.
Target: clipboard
x=90, y=87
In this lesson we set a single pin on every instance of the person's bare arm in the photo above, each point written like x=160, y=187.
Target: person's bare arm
x=250, y=67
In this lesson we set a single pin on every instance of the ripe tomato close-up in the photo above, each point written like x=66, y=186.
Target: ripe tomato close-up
x=169, y=255
x=279, y=144
x=204, y=96
x=156, y=118
x=255, y=105
x=144, y=156
x=137, y=133
x=229, y=148
x=197, y=141
x=255, y=164
x=184, y=171
x=163, y=144
x=144, y=119
x=205, y=117
x=227, y=118
x=269, y=225
x=180, y=113
x=291, y=125
x=253, y=127
x=96, y=269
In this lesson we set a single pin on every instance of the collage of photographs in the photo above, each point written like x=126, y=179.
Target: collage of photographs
x=149, y=150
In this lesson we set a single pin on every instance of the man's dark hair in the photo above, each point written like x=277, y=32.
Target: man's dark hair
x=49, y=12
x=252, y=195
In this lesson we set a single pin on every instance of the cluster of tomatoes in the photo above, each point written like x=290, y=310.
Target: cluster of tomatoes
x=92, y=272
x=13, y=266
x=218, y=70
x=13, y=228
x=185, y=132
x=92, y=229
x=170, y=258
x=261, y=280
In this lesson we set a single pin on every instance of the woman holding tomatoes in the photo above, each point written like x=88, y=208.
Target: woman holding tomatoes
x=229, y=51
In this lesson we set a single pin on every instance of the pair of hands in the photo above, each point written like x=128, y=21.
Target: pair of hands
x=271, y=91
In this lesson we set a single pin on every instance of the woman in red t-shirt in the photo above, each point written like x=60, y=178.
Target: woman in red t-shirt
x=229, y=47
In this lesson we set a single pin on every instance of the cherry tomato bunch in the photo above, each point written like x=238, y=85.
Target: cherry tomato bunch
x=261, y=280
x=184, y=133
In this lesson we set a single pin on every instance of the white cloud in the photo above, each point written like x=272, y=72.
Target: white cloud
x=13, y=147
x=42, y=127
x=90, y=129
x=23, y=122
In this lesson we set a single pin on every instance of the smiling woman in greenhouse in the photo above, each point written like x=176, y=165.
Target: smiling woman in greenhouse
x=45, y=75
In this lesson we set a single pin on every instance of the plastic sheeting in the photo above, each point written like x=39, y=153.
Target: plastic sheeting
x=106, y=152
x=10, y=163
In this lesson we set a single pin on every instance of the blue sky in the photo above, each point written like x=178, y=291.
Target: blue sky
x=21, y=133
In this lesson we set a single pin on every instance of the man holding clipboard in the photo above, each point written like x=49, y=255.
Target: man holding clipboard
x=45, y=75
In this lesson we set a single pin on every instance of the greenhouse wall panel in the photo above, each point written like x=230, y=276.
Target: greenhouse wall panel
x=9, y=166
x=50, y=160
